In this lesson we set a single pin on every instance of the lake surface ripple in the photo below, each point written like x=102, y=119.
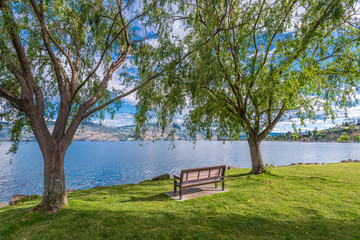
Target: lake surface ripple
x=90, y=164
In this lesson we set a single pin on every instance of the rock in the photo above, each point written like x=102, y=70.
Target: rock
x=17, y=197
x=231, y=167
x=350, y=160
x=3, y=204
x=292, y=164
x=300, y=163
x=161, y=177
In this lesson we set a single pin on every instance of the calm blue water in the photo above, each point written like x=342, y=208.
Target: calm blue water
x=88, y=164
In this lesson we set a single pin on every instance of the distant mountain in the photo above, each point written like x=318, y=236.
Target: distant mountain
x=96, y=132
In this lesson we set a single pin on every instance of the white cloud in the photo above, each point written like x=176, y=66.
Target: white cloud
x=125, y=119
x=153, y=42
x=179, y=29
x=285, y=126
x=131, y=99
x=353, y=113
x=120, y=119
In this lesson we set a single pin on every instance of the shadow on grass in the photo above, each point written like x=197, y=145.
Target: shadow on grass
x=157, y=197
x=186, y=223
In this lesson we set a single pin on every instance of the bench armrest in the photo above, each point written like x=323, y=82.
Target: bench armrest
x=177, y=180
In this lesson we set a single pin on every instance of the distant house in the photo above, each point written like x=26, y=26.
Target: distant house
x=306, y=139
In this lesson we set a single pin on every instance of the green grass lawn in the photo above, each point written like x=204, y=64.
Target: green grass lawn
x=297, y=202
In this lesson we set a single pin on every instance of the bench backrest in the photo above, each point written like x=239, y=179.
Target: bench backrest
x=195, y=174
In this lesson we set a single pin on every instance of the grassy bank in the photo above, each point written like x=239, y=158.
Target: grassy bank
x=297, y=202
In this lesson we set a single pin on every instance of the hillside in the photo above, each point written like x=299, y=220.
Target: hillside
x=96, y=132
x=346, y=132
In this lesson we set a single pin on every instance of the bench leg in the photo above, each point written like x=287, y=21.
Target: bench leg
x=223, y=185
x=216, y=185
x=181, y=192
x=174, y=188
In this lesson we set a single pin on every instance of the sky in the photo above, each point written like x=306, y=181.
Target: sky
x=125, y=117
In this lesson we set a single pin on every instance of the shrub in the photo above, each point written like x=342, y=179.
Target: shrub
x=357, y=138
x=343, y=138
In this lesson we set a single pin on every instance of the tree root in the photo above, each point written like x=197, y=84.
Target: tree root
x=47, y=208
x=257, y=172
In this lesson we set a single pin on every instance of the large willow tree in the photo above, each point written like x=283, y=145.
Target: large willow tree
x=57, y=61
x=254, y=62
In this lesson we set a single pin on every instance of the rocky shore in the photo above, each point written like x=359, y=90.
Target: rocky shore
x=350, y=160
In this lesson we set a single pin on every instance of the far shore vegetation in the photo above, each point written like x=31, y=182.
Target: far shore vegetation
x=292, y=202
x=345, y=132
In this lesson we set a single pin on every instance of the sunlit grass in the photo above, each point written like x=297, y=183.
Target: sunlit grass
x=297, y=202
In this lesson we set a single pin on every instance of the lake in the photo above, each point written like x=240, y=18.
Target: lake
x=90, y=164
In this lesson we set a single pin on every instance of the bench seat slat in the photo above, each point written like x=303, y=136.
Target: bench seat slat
x=202, y=181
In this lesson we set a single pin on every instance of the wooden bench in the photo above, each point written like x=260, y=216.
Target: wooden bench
x=199, y=176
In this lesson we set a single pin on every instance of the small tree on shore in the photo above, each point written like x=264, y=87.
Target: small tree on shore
x=256, y=61
x=357, y=138
x=58, y=60
x=343, y=138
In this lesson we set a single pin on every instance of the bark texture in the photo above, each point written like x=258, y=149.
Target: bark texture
x=53, y=152
x=256, y=159
x=54, y=197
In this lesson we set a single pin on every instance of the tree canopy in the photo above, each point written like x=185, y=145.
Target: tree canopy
x=255, y=62
x=70, y=50
x=68, y=61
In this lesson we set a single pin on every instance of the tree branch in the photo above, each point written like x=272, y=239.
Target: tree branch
x=53, y=58
x=254, y=37
x=276, y=32
x=4, y=93
x=272, y=124
x=27, y=79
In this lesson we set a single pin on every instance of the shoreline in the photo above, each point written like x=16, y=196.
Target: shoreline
x=156, y=177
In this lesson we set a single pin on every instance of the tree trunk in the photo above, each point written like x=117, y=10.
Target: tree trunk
x=256, y=159
x=55, y=196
